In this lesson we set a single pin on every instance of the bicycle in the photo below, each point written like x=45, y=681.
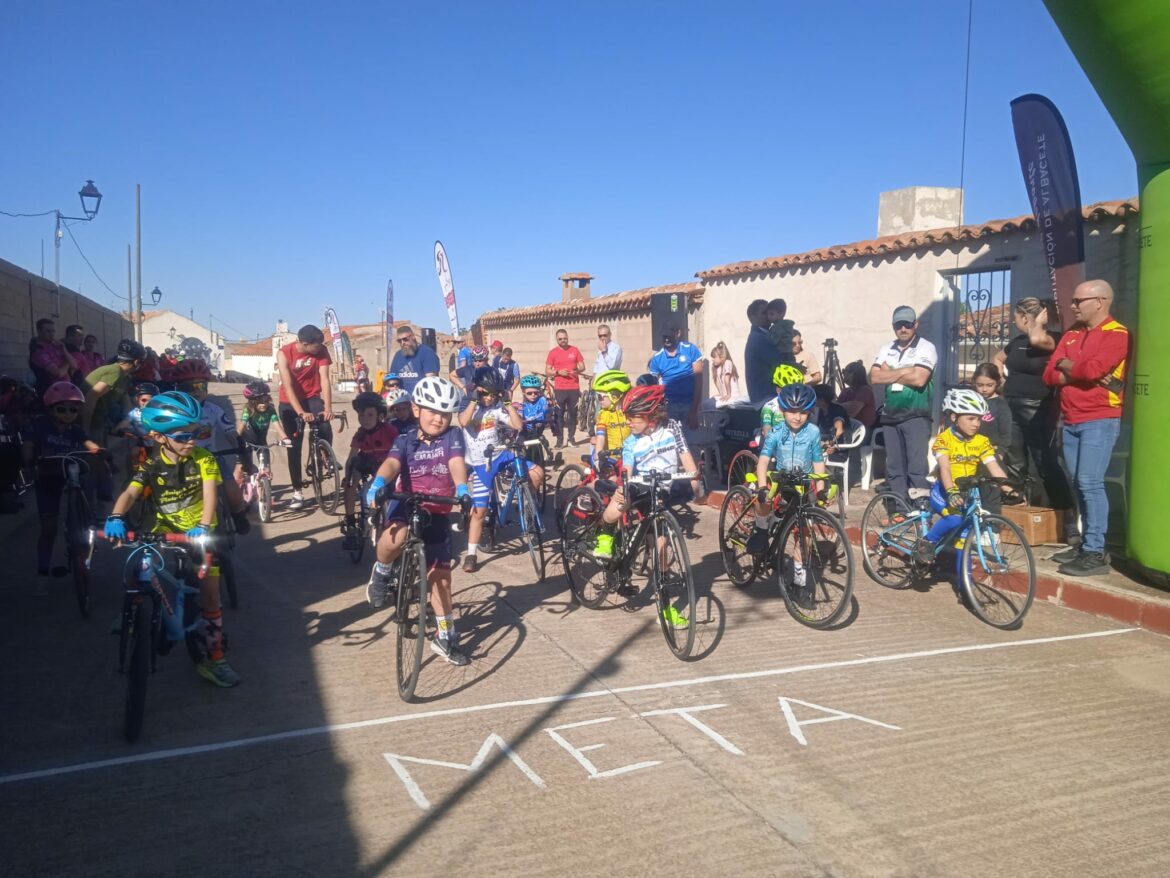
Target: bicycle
x=647, y=544
x=258, y=485
x=322, y=468
x=801, y=532
x=996, y=568
x=369, y=520
x=78, y=521
x=512, y=490
x=156, y=614
x=225, y=527
x=412, y=615
x=573, y=476
x=742, y=468
x=587, y=407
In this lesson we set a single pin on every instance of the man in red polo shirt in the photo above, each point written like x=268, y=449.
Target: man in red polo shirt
x=564, y=365
x=1088, y=368
x=306, y=393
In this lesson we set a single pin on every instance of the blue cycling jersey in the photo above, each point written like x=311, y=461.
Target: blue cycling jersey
x=535, y=414
x=789, y=450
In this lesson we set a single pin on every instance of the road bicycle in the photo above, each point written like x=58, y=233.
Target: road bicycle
x=647, y=543
x=322, y=468
x=573, y=476
x=414, y=620
x=996, y=570
x=587, y=406
x=512, y=498
x=807, y=547
x=742, y=468
x=160, y=607
x=369, y=520
x=258, y=485
x=77, y=515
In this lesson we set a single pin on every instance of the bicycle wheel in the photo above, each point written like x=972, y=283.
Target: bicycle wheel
x=137, y=670
x=264, y=498
x=326, y=477
x=736, y=522
x=742, y=465
x=999, y=572
x=363, y=526
x=411, y=617
x=77, y=547
x=674, y=587
x=889, y=530
x=530, y=527
x=815, y=570
x=227, y=578
x=589, y=580
x=567, y=481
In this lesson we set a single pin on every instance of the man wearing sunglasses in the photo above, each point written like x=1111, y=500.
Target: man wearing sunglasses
x=413, y=361
x=679, y=366
x=1088, y=368
x=564, y=365
x=906, y=368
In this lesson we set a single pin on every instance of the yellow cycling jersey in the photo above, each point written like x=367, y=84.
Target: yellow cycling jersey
x=964, y=454
x=612, y=424
x=176, y=488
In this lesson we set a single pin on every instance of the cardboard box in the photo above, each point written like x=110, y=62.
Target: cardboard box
x=1040, y=526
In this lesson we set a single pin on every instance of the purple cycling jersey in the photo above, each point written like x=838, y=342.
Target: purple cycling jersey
x=426, y=464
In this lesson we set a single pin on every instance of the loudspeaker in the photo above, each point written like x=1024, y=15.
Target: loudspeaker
x=428, y=338
x=667, y=309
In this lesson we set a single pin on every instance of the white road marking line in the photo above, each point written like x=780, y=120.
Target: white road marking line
x=174, y=753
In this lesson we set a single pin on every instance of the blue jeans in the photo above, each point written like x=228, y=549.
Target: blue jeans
x=1087, y=450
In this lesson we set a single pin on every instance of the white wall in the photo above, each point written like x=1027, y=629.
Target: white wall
x=156, y=333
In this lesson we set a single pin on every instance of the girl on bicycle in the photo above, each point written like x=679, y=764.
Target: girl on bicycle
x=367, y=449
x=259, y=414
x=612, y=428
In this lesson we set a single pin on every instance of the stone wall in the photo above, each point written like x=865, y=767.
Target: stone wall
x=25, y=298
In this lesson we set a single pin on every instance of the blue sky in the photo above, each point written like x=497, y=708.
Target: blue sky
x=296, y=155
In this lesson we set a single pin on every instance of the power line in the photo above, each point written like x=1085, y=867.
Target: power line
x=42, y=213
x=232, y=328
x=87, y=262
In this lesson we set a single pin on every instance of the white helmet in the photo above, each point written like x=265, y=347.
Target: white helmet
x=395, y=395
x=437, y=394
x=964, y=401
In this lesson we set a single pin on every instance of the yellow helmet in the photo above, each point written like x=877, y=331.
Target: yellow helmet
x=611, y=381
x=785, y=375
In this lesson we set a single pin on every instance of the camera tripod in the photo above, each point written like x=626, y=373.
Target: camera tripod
x=832, y=370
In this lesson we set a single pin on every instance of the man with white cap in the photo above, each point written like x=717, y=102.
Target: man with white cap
x=906, y=368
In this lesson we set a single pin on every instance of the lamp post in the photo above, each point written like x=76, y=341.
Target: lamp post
x=91, y=201
x=155, y=296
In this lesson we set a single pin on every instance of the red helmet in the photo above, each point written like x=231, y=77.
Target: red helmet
x=645, y=401
x=63, y=391
x=190, y=370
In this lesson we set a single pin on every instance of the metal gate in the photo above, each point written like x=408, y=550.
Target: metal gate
x=981, y=320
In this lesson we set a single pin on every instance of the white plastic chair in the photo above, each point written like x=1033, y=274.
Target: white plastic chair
x=856, y=436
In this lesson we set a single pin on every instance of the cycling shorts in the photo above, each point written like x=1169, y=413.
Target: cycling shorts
x=436, y=537
x=482, y=478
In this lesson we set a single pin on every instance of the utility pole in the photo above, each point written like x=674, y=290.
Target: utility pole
x=136, y=306
x=129, y=284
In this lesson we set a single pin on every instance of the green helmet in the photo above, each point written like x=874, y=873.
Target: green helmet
x=785, y=375
x=612, y=381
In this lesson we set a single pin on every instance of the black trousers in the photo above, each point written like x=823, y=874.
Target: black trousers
x=1033, y=454
x=567, y=400
x=296, y=432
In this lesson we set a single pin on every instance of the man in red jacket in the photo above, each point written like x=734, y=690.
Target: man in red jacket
x=1088, y=368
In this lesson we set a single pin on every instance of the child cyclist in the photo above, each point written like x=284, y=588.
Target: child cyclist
x=367, y=450
x=401, y=412
x=59, y=431
x=960, y=449
x=133, y=428
x=184, y=481
x=483, y=420
x=772, y=415
x=259, y=414
x=655, y=444
x=428, y=460
x=612, y=428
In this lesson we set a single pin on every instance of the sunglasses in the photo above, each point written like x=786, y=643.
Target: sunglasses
x=403, y=339
x=183, y=437
x=532, y=391
x=903, y=324
x=66, y=409
x=603, y=335
x=1078, y=302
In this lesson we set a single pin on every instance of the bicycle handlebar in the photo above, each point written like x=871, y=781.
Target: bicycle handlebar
x=386, y=493
x=148, y=538
x=654, y=477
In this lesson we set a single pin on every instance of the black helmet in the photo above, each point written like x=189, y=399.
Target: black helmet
x=488, y=379
x=647, y=379
x=130, y=351
x=254, y=389
x=369, y=399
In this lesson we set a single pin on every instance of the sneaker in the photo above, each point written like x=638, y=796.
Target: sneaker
x=674, y=617
x=378, y=588
x=218, y=672
x=240, y=520
x=297, y=501
x=448, y=648
x=1087, y=564
x=603, y=548
x=757, y=543
x=470, y=564
x=924, y=552
x=351, y=536
x=1066, y=556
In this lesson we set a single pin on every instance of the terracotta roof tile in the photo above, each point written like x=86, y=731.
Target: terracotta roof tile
x=260, y=348
x=630, y=300
x=911, y=241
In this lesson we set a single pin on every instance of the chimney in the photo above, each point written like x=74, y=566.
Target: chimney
x=919, y=208
x=575, y=286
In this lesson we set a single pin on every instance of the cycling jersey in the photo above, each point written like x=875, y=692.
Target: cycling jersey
x=373, y=444
x=222, y=429
x=771, y=415
x=46, y=439
x=486, y=428
x=790, y=450
x=403, y=426
x=964, y=454
x=612, y=424
x=535, y=414
x=426, y=463
x=258, y=420
x=660, y=450
x=176, y=488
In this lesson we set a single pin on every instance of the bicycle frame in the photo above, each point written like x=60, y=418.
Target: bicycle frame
x=919, y=523
x=519, y=465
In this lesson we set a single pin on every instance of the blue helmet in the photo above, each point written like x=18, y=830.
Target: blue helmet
x=796, y=398
x=171, y=411
x=531, y=381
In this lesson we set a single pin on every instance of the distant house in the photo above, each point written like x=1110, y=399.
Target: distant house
x=166, y=329
x=251, y=359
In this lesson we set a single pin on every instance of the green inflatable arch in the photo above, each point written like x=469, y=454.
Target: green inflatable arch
x=1124, y=48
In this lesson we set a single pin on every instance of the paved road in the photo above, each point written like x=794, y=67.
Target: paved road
x=912, y=741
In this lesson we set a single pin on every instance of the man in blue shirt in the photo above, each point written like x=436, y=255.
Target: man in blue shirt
x=412, y=361
x=760, y=356
x=679, y=366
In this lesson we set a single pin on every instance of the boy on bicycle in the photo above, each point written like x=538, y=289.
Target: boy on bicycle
x=959, y=449
x=612, y=428
x=132, y=427
x=772, y=415
x=59, y=431
x=367, y=450
x=184, y=482
x=429, y=460
x=483, y=420
x=401, y=415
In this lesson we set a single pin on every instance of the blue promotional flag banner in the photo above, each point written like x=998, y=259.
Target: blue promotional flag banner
x=334, y=332
x=443, y=267
x=1050, y=175
x=389, y=319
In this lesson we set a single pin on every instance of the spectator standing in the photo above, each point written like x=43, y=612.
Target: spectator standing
x=412, y=361
x=1088, y=367
x=90, y=356
x=806, y=361
x=48, y=357
x=305, y=393
x=509, y=371
x=74, y=339
x=609, y=352
x=724, y=375
x=361, y=373
x=564, y=365
x=781, y=331
x=679, y=367
x=760, y=357
x=997, y=423
x=107, y=390
x=905, y=367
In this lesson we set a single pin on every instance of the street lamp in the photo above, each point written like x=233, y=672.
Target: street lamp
x=156, y=296
x=91, y=201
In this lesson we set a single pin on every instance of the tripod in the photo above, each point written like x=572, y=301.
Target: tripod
x=832, y=371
